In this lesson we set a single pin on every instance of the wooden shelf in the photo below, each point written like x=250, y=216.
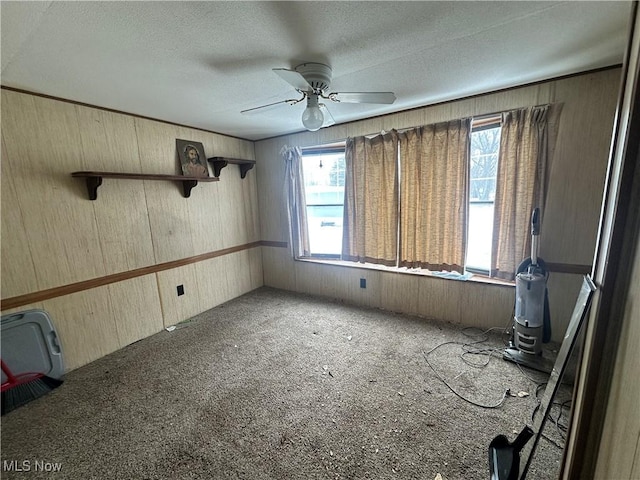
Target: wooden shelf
x=220, y=162
x=94, y=180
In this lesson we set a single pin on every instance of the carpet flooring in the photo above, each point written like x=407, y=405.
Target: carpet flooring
x=277, y=385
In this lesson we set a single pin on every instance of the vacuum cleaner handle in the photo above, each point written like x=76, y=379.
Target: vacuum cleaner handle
x=522, y=438
x=535, y=221
x=504, y=456
x=535, y=231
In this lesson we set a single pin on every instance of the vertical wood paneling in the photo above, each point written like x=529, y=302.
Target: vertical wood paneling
x=545, y=93
x=250, y=206
x=563, y=291
x=338, y=282
x=368, y=126
x=347, y=285
x=202, y=213
x=435, y=114
x=157, y=146
x=176, y=309
x=255, y=268
x=570, y=220
x=232, y=208
x=278, y=268
x=311, y=279
x=465, y=302
x=168, y=211
x=109, y=143
x=318, y=281
x=371, y=296
x=509, y=100
x=18, y=269
x=42, y=148
x=211, y=278
x=339, y=132
x=270, y=170
x=620, y=441
x=438, y=299
x=237, y=270
x=462, y=109
x=399, y=293
x=485, y=306
x=247, y=150
x=205, y=211
x=135, y=308
x=86, y=326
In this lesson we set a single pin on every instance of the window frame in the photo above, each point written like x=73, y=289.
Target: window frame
x=329, y=149
x=479, y=124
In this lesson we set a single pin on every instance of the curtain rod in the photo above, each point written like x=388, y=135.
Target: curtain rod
x=484, y=116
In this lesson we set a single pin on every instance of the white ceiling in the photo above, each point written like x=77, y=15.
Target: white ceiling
x=201, y=63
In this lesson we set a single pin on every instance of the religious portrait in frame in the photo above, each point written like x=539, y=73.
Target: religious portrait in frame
x=192, y=159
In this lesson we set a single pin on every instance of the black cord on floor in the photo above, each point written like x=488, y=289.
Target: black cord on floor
x=497, y=405
x=469, y=349
x=561, y=428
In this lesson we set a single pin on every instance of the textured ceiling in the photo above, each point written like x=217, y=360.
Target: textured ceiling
x=201, y=63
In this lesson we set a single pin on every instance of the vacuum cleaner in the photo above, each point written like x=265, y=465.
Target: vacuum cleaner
x=532, y=319
x=504, y=456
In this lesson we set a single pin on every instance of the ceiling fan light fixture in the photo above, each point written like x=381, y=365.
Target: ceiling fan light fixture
x=312, y=81
x=312, y=117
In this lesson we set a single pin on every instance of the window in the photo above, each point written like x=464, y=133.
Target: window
x=324, y=176
x=485, y=145
x=324, y=170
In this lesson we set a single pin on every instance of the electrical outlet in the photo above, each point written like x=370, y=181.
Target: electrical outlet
x=363, y=283
x=180, y=289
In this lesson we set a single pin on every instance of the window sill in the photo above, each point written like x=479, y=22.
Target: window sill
x=475, y=278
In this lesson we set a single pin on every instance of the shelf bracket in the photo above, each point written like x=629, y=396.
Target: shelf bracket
x=92, y=186
x=218, y=165
x=187, y=185
x=244, y=168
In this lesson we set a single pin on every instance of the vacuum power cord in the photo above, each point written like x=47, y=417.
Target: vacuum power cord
x=469, y=349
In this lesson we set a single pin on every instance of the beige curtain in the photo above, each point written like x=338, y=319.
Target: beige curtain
x=434, y=165
x=370, y=226
x=520, y=184
x=296, y=203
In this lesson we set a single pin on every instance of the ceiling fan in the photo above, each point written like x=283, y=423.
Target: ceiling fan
x=312, y=81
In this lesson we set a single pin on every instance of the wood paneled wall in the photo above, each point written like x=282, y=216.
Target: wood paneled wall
x=619, y=454
x=569, y=224
x=52, y=235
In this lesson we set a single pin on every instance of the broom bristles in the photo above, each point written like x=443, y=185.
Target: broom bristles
x=23, y=393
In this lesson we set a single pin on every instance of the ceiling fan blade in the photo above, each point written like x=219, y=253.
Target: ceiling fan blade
x=328, y=118
x=293, y=78
x=269, y=106
x=363, y=97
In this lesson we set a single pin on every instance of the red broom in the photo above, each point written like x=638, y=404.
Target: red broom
x=22, y=388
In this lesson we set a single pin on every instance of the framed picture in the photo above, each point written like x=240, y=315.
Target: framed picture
x=192, y=159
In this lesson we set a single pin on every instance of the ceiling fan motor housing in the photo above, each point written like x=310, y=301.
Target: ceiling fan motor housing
x=318, y=75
